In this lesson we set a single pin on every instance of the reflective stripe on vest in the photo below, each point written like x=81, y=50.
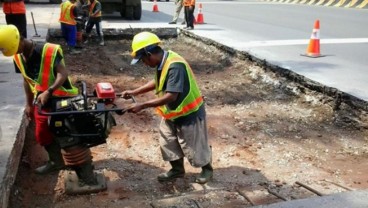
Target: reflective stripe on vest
x=92, y=8
x=46, y=75
x=191, y=102
x=66, y=13
x=19, y=62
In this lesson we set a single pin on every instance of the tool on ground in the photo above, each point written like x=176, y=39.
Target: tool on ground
x=155, y=7
x=34, y=26
x=79, y=123
x=313, y=50
x=200, y=19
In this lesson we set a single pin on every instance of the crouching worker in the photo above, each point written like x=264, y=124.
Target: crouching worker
x=180, y=104
x=45, y=76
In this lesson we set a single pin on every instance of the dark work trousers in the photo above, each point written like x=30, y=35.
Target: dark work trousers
x=20, y=21
x=189, y=15
x=92, y=22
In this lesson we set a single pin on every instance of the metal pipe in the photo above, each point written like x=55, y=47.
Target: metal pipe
x=276, y=194
x=309, y=188
x=34, y=26
x=246, y=197
x=341, y=186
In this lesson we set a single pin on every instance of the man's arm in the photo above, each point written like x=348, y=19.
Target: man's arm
x=29, y=100
x=140, y=90
x=28, y=92
x=167, y=98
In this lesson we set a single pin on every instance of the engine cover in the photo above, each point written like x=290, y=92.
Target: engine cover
x=105, y=92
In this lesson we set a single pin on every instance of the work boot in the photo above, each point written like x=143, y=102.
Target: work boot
x=102, y=42
x=172, y=22
x=177, y=171
x=55, y=162
x=206, y=174
x=73, y=50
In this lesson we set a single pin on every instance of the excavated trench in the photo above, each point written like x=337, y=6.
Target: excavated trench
x=271, y=132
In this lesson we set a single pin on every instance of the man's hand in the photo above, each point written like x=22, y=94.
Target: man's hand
x=43, y=98
x=127, y=94
x=135, y=108
x=29, y=111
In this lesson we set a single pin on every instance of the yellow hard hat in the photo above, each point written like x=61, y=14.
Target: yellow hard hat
x=9, y=39
x=143, y=40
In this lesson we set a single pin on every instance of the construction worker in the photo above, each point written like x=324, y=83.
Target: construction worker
x=180, y=104
x=189, y=6
x=95, y=19
x=68, y=12
x=179, y=6
x=45, y=76
x=15, y=14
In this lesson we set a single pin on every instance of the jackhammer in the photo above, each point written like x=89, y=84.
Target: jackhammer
x=79, y=123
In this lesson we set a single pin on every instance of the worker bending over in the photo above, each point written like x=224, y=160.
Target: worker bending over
x=180, y=104
x=45, y=76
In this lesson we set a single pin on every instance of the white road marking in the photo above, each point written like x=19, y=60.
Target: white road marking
x=301, y=42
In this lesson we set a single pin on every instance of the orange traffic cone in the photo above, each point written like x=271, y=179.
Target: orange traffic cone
x=313, y=49
x=155, y=7
x=199, y=16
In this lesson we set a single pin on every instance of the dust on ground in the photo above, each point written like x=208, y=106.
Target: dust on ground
x=266, y=134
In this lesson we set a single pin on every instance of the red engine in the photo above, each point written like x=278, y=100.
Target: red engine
x=105, y=92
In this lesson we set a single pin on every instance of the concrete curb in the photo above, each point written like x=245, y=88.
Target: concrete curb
x=13, y=164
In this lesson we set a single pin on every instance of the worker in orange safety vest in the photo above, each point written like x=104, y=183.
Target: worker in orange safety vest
x=180, y=104
x=45, y=76
x=15, y=14
x=95, y=18
x=68, y=12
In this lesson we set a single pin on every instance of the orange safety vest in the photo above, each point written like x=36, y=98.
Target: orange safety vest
x=191, y=102
x=66, y=13
x=46, y=75
x=189, y=2
x=91, y=8
x=14, y=7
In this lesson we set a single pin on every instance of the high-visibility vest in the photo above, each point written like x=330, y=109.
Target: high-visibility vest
x=189, y=2
x=191, y=102
x=46, y=75
x=14, y=7
x=66, y=13
x=91, y=8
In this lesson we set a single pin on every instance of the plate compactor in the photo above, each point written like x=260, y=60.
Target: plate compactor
x=79, y=123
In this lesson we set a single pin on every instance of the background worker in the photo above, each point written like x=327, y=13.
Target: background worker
x=189, y=6
x=45, y=76
x=15, y=14
x=68, y=13
x=183, y=126
x=179, y=6
x=95, y=19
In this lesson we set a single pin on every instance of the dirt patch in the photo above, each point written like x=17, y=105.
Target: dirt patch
x=266, y=133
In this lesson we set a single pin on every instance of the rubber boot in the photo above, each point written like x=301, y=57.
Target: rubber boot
x=177, y=171
x=206, y=174
x=55, y=162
